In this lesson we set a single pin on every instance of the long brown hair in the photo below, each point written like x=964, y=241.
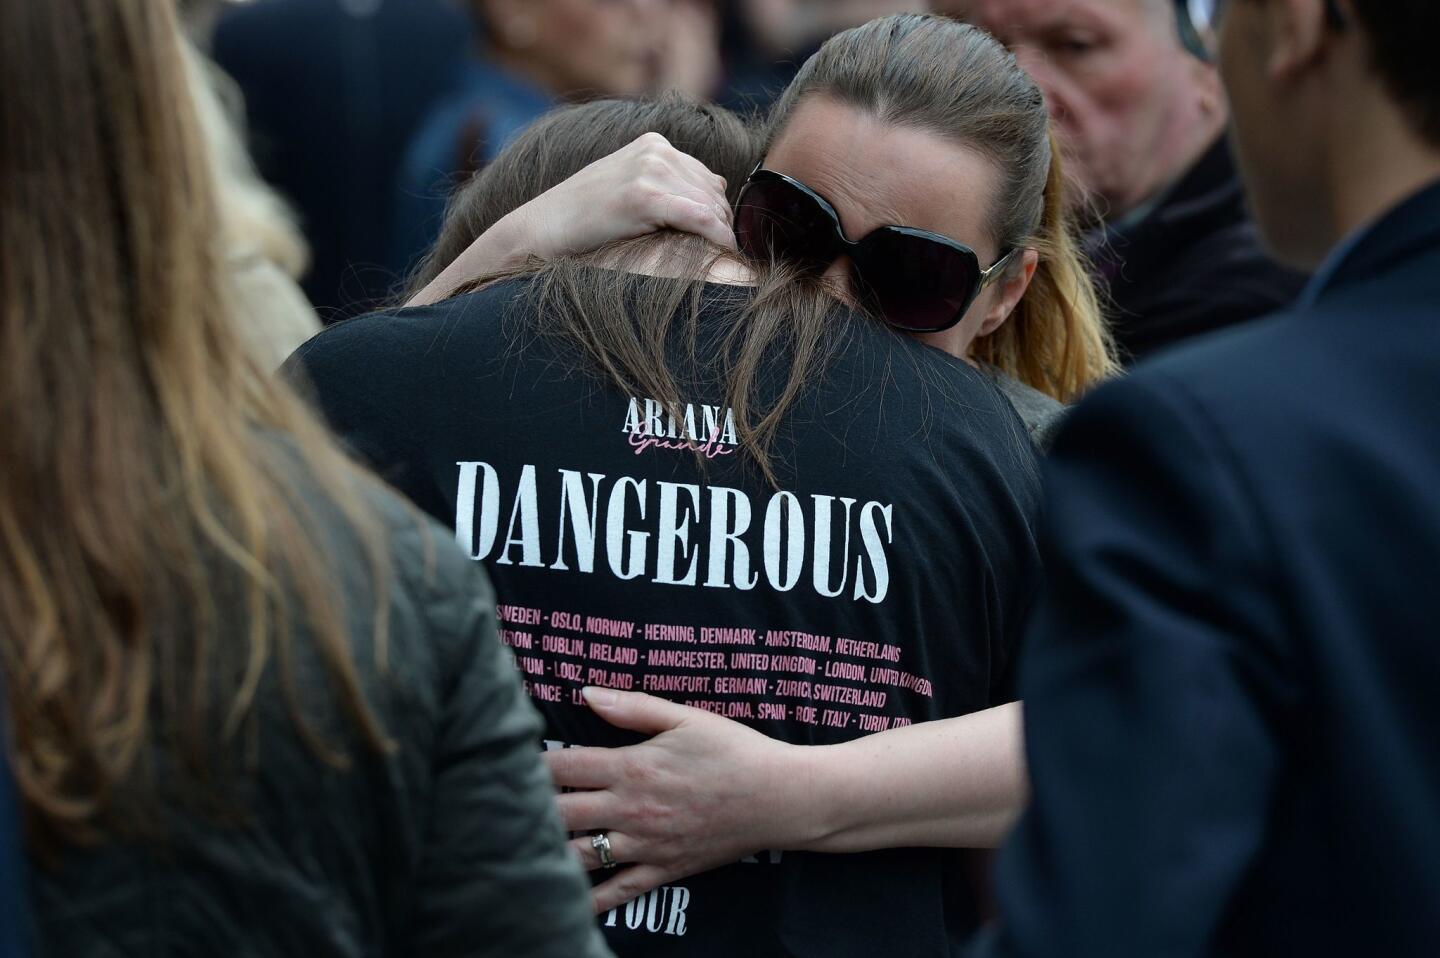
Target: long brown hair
x=957, y=81
x=928, y=71
x=569, y=138
x=155, y=554
x=620, y=305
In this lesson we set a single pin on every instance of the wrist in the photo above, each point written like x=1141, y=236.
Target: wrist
x=502, y=247
x=812, y=798
x=509, y=244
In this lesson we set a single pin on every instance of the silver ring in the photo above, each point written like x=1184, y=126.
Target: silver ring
x=601, y=844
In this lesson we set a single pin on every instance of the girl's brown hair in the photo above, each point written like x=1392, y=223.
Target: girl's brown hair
x=620, y=305
x=958, y=82
x=926, y=71
x=569, y=138
x=155, y=555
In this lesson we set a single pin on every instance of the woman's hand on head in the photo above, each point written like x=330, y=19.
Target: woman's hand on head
x=642, y=188
x=703, y=792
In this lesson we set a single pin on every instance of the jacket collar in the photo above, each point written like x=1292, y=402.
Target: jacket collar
x=1207, y=198
x=1409, y=228
x=1212, y=183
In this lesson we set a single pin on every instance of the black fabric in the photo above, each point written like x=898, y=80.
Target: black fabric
x=14, y=910
x=1192, y=265
x=931, y=486
x=450, y=845
x=1230, y=692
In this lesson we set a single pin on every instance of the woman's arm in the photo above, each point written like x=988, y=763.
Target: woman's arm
x=706, y=791
x=643, y=188
x=955, y=783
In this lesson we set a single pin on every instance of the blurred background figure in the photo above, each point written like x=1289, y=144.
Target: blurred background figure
x=533, y=54
x=334, y=90
x=1144, y=125
x=691, y=56
x=765, y=41
x=265, y=252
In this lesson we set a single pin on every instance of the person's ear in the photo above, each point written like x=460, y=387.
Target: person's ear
x=1298, y=30
x=1208, y=88
x=1009, y=291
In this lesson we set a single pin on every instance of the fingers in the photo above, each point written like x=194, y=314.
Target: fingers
x=702, y=219
x=683, y=164
x=583, y=767
x=621, y=849
x=587, y=811
x=636, y=710
x=627, y=885
x=708, y=187
x=701, y=175
x=691, y=198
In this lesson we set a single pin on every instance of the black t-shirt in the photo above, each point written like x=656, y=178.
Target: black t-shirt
x=883, y=583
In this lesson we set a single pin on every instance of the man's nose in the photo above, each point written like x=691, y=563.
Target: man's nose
x=1046, y=77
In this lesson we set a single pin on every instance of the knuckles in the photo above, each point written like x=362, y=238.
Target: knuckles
x=652, y=140
x=657, y=817
x=655, y=166
x=636, y=768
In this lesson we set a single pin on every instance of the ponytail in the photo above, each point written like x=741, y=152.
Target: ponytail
x=1057, y=340
x=952, y=78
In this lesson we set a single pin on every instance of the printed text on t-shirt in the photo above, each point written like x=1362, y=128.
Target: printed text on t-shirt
x=675, y=533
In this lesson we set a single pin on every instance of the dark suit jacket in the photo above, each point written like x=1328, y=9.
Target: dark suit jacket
x=1192, y=265
x=1233, y=686
x=13, y=914
x=333, y=93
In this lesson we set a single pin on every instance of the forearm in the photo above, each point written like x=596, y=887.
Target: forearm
x=646, y=187
x=499, y=248
x=958, y=783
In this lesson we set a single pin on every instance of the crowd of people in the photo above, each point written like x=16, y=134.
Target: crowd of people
x=856, y=478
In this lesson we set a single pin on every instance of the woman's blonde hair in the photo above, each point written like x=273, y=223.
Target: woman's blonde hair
x=265, y=252
x=156, y=550
x=958, y=82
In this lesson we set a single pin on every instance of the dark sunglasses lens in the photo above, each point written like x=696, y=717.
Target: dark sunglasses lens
x=916, y=284
x=778, y=221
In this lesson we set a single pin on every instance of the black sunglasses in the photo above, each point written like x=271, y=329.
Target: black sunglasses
x=917, y=281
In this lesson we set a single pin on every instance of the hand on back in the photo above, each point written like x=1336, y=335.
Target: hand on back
x=703, y=792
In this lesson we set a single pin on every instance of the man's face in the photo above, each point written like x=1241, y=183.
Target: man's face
x=582, y=47
x=1117, y=82
x=1275, y=137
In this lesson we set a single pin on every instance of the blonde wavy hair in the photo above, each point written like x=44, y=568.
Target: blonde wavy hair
x=156, y=559
x=959, y=82
x=265, y=251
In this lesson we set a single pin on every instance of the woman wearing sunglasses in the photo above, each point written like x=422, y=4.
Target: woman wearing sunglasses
x=743, y=495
